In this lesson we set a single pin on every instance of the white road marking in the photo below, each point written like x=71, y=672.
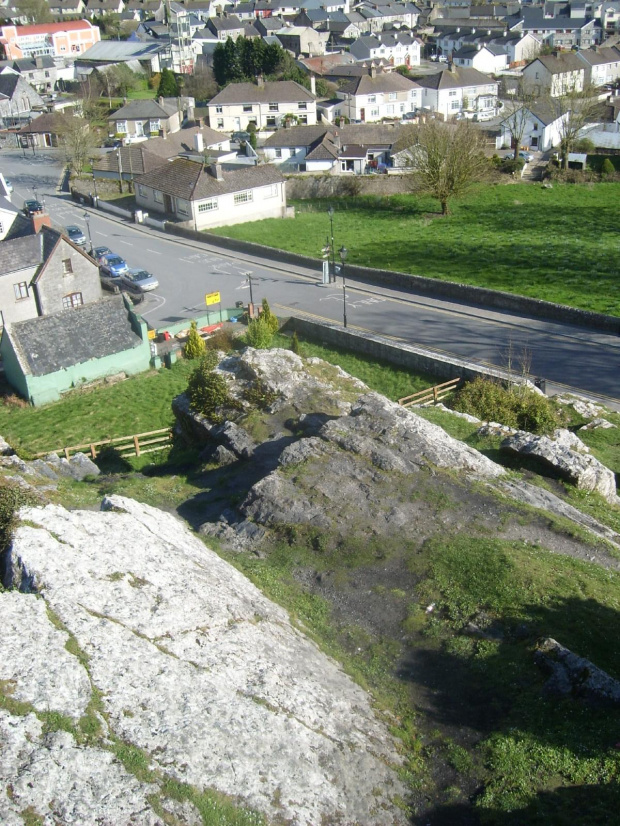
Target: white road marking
x=162, y=301
x=155, y=252
x=128, y=243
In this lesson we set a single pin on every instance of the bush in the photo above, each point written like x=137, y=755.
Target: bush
x=510, y=165
x=12, y=498
x=608, y=168
x=295, y=344
x=259, y=395
x=259, y=334
x=513, y=406
x=194, y=346
x=222, y=340
x=207, y=390
x=270, y=319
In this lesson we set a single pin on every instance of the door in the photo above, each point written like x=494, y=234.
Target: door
x=237, y=124
x=168, y=203
x=139, y=129
x=363, y=115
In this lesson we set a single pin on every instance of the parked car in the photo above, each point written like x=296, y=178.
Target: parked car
x=442, y=58
x=31, y=207
x=410, y=115
x=76, y=235
x=526, y=156
x=113, y=265
x=434, y=58
x=240, y=137
x=99, y=253
x=139, y=281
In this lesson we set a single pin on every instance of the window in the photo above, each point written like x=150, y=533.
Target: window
x=452, y=93
x=220, y=123
x=374, y=113
x=273, y=107
x=534, y=127
x=21, y=290
x=143, y=191
x=270, y=191
x=219, y=110
x=413, y=93
x=302, y=105
x=278, y=153
x=402, y=107
x=158, y=197
x=182, y=207
x=208, y=206
x=247, y=107
x=67, y=266
x=121, y=127
x=271, y=122
x=455, y=105
x=155, y=125
x=243, y=197
x=303, y=120
x=72, y=300
x=47, y=74
x=392, y=96
x=372, y=98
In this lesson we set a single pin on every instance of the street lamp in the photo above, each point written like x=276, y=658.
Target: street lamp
x=343, y=252
x=330, y=212
x=90, y=240
x=248, y=275
x=34, y=189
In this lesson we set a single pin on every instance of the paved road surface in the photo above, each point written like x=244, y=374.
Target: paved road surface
x=564, y=355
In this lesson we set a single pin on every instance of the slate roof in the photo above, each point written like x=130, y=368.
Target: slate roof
x=48, y=122
x=361, y=134
x=20, y=254
x=382, y=82
x=325, y=150
x=110, y=51
x=28, y=64
x=8, y=82
x=279, y=91
x=187, y=179
x=135, y=109
x=533, y=18
x=565, y=62
x=455, y=79
x=55, y=342
x=600, y=56
x=134, y=160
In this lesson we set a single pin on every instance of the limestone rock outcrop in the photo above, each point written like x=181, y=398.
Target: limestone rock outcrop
x=165, y=647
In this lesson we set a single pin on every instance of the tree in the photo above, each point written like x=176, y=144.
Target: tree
x=259, y=334
x=207, y=390
x=608, y=169
x=201, y=85
x=295, y=344
x=79, y=142
x=574, y=108
x=270, y=319
x=516, y=113
x=195, y=345
x=168, y=87
x=35, y=11
x=446, y=159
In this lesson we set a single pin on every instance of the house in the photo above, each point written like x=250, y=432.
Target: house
x=381, y=15
x=44, y=274
x=40, y=72
x=487, y=59
x=378, y=95
x=357, y=148
x=558, y=25
x=67, y=8
x=267, y=105
x=456, y=90
x=399, y=48
x=602, y=65
x=555, y=75
x=205, y=197
x=45, y=357
x=17, y=99
x=45, y=131
x=610, y=18
x=67, y=39
x=97, y=8
x=542, y=127
x=302, y=40
x=225, y=27
x=141, y=119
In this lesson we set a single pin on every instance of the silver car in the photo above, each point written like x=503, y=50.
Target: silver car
x=76, y=235
x=138, y=281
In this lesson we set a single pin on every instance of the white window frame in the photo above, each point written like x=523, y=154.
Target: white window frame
x=270, y=191
x=245, y=197
x=121, y=127
x=208, y=206
x=20, y=290
x=158, y=197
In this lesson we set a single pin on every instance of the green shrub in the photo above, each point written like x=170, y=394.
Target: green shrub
x=270, y=319
x=608, y=167
x=259, y=334
x=12, y=498
x=295, y=344
x=222, y=340
x=259, y=395
x=208, y=392
x=513, y=406
x=510, y=165
x=195, y=345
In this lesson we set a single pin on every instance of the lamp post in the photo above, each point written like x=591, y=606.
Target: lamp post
x=90, y=240
x=95, y=186
x=343, y=252
x=34, y=190
x=330, y=212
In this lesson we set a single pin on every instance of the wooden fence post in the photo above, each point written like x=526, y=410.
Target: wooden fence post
x=136, y=444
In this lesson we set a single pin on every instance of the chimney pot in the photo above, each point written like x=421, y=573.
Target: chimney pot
x=40, y=219
x=216, y=170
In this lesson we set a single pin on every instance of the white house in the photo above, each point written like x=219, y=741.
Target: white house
x=456, y=90
x=556, y=75
x=602, y=65
x=488, y=59
x=264, y=104
x=376, y=96
x=205, y=197
x=542, y=127
x=399, y=48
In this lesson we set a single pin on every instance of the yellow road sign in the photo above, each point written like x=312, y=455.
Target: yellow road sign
x=212, y=298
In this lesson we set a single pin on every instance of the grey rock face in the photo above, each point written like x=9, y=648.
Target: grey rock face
x=583, y=470
x=199, y=670
x=575, y=676
x=597, y=424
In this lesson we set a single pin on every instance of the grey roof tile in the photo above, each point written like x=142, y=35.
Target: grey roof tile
x=279, y=91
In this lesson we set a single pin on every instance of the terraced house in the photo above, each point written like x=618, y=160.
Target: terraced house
x=266, y=105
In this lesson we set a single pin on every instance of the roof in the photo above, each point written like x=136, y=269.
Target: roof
x=113, y=50
x=324, y=63
x=48, y=122
x=29, y=64
x=20, y=254
x=146, y=109
x=187, y=179
x=362, y=134
x=382, y=82
x=599, y=56
x=51, y=28
x=279, y=91
x=455, y=79
x=55, y=342
x=564, y=62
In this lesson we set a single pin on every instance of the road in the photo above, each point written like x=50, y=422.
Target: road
x=581, y=359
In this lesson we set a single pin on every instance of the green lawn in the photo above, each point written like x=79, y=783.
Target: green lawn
x=559, y=244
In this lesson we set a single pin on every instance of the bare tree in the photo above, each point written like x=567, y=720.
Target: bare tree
x=79, y=142
x=35, y=11
x=446, y=159
x=517, y=112
x=574, y=108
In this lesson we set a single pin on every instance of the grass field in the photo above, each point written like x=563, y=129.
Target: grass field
x=558, y=244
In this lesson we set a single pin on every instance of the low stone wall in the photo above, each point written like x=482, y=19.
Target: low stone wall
x=417, y=359
x=464, y=293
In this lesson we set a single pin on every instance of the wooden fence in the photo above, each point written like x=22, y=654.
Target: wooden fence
x=125, y=446
x=432, y=394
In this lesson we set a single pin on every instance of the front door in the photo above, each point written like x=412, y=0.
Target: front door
x=139, y=129
x=168, y=203
x=237, y=124
x=363, y=115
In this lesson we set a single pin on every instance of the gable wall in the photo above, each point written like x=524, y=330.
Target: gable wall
x=12, y=308
x=54, y=284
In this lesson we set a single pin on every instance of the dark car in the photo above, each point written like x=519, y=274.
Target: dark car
x=31, y=207
x=99, y=252
x=240, y=137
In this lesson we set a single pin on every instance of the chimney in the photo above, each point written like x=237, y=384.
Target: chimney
x=337, y=140
x=260, y=80
x=38, y=62
x=313, y=84
x=373, y=71
x=216, y=170
x=40, y=219
x=160, y=100
x=199, y=143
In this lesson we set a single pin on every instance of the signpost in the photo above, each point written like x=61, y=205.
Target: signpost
x=210, y=299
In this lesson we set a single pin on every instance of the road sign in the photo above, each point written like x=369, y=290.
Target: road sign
x=212, y=298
